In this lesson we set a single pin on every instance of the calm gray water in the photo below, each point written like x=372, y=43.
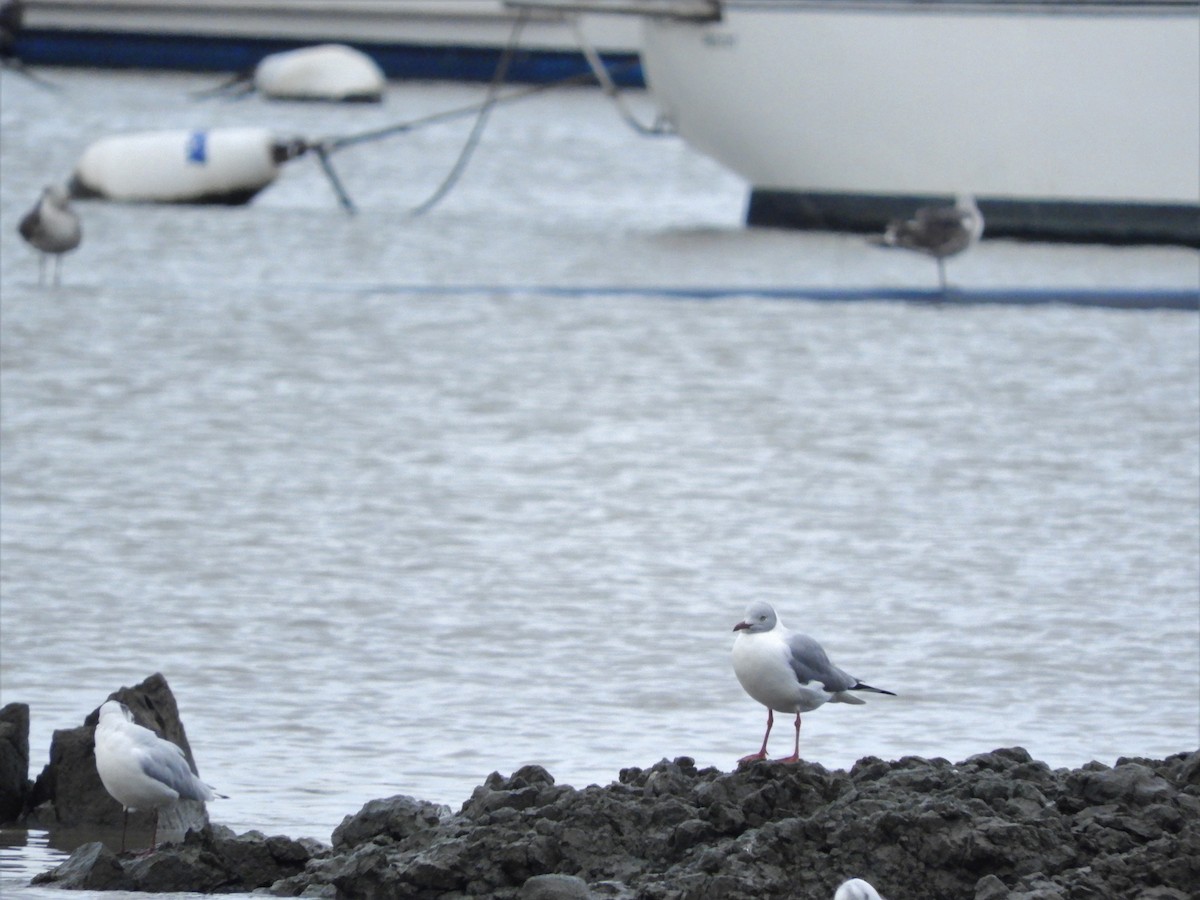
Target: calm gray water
x=386, y=533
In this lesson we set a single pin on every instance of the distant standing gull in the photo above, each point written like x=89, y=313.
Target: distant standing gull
x=52, y=228
x=939, y=231
x=141, y=770
x=786, y=671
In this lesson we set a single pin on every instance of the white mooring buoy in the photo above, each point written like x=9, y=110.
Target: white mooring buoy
x=332, y=72
x=218, y=165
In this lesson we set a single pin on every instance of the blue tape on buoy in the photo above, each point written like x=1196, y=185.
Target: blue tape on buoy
x=197, y=147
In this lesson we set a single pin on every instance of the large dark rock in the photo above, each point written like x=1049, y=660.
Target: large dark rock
x=395, y=818
x=14, y=761
x=92, y=867
x=211, y=860
x=68, y=794
x=999, y=826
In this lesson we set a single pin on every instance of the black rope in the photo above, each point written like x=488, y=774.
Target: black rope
x=324, y=148
x=339, y=143
x=485, y=110
x=338, y=187
x=609, y=86
x=13, y=64
x=237, y=87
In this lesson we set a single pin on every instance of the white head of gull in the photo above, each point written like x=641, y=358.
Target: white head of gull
x=52, y=228
x=141, y=770
x=856, y=889
x=786, y=671
x=939, y=231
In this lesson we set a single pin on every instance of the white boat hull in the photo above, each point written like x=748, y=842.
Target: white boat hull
x=1079, y=105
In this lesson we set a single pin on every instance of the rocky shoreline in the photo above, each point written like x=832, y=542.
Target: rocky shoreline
x=998, y=826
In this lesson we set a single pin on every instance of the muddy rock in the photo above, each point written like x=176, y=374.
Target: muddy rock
x=68, y=793
x=998, y=826
x=14, y=761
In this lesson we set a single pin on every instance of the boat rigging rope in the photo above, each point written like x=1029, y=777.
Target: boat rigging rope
x=600, y=70
x=485, y=110
x=324, y=148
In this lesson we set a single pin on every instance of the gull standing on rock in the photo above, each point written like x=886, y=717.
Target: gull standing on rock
x=786, y=671
x=52, y=228
x=141, y=770
x=939, y=231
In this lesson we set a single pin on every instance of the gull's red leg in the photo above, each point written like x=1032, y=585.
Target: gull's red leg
x=795, y=757
x=761, y=754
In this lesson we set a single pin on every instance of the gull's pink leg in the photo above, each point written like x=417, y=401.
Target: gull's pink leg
x=153, y=838
x=795, y=757
x=761, y=754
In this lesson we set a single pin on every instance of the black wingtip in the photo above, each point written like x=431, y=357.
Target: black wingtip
x=866, y=687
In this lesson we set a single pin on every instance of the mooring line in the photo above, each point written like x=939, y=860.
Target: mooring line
x=324, y=148
x=600, y=70
x=485, y=110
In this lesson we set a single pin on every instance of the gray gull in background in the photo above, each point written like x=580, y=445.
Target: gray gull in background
x=141, y=770
x=856, y=889
x=786, y=671
x=52, y=228
x=939, y=231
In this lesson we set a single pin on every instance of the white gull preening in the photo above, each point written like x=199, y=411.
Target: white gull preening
x=141, y=770
x=939, y=231
x=52, y=228
x=786, y=671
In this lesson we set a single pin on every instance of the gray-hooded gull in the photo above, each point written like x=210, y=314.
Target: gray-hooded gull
x=787, y=671
x=141, y=770
x=52, y=228
x=939, y=231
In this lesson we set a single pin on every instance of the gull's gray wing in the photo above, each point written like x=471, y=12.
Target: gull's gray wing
x=942, y=229
x=810, y=663
x=166, y=764
x=30, y=222
x=937, y=230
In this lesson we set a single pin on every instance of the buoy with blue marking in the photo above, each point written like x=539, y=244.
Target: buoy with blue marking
x=217, y=165
x=325, y=72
